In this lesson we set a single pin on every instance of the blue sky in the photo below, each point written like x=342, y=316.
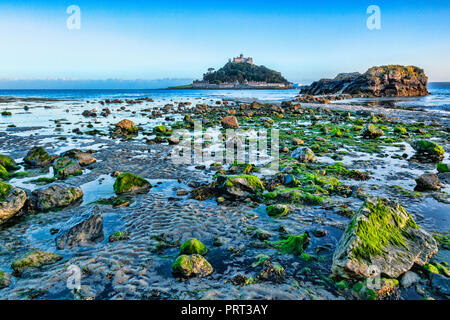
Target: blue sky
x=305, y=40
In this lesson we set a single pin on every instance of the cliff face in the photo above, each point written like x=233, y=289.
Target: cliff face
x=384, y=81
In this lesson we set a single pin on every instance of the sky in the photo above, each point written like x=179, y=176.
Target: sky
x=304, y=40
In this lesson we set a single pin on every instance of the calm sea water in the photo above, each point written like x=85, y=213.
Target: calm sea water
x=438, y=100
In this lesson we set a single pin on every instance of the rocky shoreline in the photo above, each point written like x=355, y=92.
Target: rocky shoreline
x=102, y=194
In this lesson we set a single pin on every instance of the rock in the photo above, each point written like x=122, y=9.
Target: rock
x=82, y=229
x=277, y=210
x=230, y=122
x=37, y=157
x=126, y=127
x=239, y=186
x=371, y=132
x=443, y=167
x=392, y=80
x=119, y=236
x=54, y=196
x=381, y=238
x=12, y=201
x=64, y=167
x=409, y=278
x=441, y=284
x=191, y=265
x=262, y=234
x=130, y=183
x=428, y=182
x=297, y=142
x=34, y=259
x=160, y=129
x=8, y=163
x=428, y=151
x=173, y=140
x=83, y=158
x=273, y=272
x=303, y=154
x=5, y=279
x=193, y=246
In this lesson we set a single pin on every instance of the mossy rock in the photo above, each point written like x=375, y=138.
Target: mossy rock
x=37, y=157
x=277, y=210
x=429, y=149
x=119, y=236
x=400, y=130
x=191, y=265
x=5, y=279
x=240, y=186
x=442, y=167
x=382, y=238
x=4, y=190
x=160, y=129
x=34, y=259
x=371, y=132
x=130, y=183
x=8, y=163
x=4, y=175
x=193, y=246
x=65, y=167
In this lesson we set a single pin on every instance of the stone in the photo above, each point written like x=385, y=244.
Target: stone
x=8, y=163
x=443, y=167
x=191, y=265
x=428, y=182
x=277, y=210
x=193, y=246
x=242, y=186
x=54, y=196
x=130, y=183
x=382, y=238
x=37, y=157
x=84, y=158
x=12, y=203
x=409, y=278
x=5, y=279
x=34, y=259
x=383, y=81
x=371, y=132
x=82, y=229
x=304, y=154
x=64, y=167
x=230, y=122
x=428, y=151
x=126, y=127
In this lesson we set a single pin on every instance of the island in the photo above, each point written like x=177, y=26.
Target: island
x=240, y=73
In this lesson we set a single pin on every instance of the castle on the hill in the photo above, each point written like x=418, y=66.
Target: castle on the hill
x=241, y=59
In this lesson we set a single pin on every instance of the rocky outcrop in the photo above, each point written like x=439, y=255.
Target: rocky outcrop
x=383, y=81
x=125, y=127
x=38, y=157
x=34, y=259
x=191, y=265
x=83, y=158
x=12, y=203
x=54, y=197
x=130, y=183
x=381, y=239
x=242, y=186
x=82, y=229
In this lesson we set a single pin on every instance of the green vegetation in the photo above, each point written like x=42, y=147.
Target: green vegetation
x=119, y=236
x=293, y=244
x=443, y=167
x=35, y=259
x=4, y=190
x=193, y=246
x=8, y=163
x=240, y=72
x=127, y=182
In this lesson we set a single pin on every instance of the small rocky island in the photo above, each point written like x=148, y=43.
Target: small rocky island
x=383, y=81
x=241, y=73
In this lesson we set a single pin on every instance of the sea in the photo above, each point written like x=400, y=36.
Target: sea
x=438, y=100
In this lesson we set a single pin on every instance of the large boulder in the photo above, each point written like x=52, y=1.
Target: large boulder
x=64, y=167
x=242, y=186
x=54, y=196
x=82, y=229
x=12, y=201
x=381, y=239
x=126, y=127
x=130, y=183
x=8, y=163
x=428, y=182
x=428, y=151
x=304, y=154
x=391, y=80
x=38, y=157
x=191, y=265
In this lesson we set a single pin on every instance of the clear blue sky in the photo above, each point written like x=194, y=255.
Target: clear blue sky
x=305, y=40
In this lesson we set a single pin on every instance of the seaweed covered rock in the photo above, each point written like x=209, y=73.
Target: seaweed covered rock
x=443, y=167
x=295, y=245
x=5, y=279
x=4, y=174
x=8, y=163
x=193, y=246
x=53, y=197
x=277, y=210
x=428, y=151
x=126, y=127
x=12, y=201
x=428, y=182
x=382, y=238
x=239, y=186
x=34, y=259
x=304, y=154
x=130, y=183
x=273, y=272
x=191, y=265
x=371, y=132
x=391, y=80
x=37, y=157
x=64, y=167
x=82, y=229
x=83, y=158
